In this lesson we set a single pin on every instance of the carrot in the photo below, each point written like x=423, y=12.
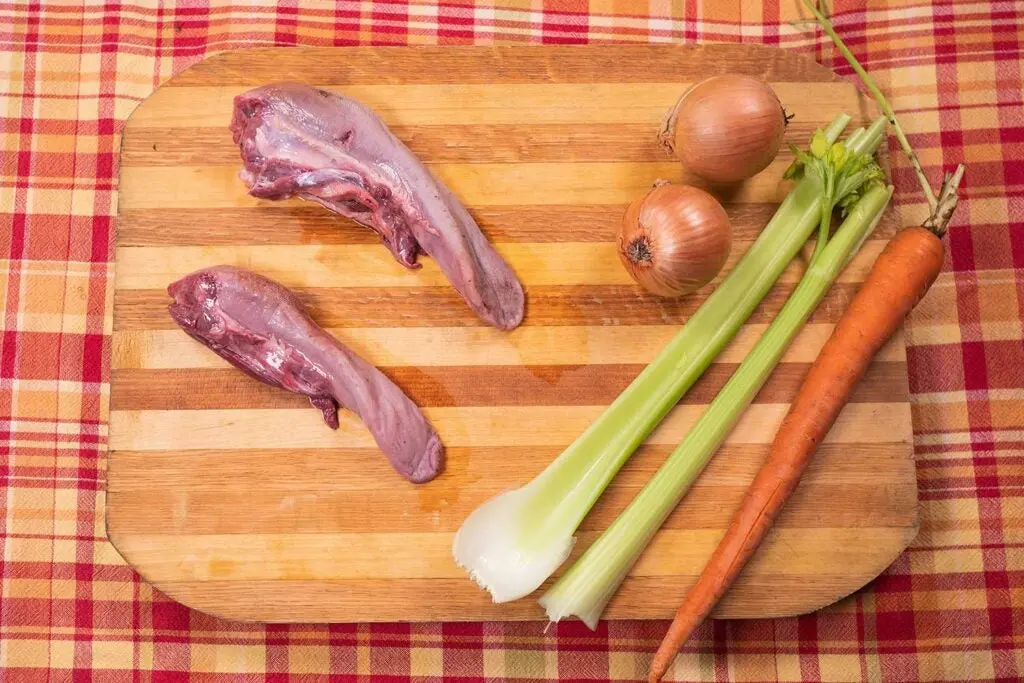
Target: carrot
x=901, y=275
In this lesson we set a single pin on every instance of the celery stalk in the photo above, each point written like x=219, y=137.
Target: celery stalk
x=515, y=541
x=589, y=584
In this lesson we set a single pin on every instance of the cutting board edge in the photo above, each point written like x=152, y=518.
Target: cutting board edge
x=774, y=56
x=187, y=599
x=177, y=591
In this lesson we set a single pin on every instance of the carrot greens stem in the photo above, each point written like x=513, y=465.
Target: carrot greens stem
x=941, y=207
x=883, y=103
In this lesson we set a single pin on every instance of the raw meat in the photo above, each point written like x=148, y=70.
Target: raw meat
x=260, y=327
x=297, y=140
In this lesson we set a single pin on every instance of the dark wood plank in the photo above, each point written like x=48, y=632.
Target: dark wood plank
x=512, y=385
x=546, y=306
x=294, y=469
x=500, y=64
x=326, y=511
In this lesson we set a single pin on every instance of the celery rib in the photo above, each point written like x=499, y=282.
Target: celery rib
x=585, y=589
x=513, y=542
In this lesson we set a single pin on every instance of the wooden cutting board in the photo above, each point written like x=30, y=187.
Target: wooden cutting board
x=235, y=499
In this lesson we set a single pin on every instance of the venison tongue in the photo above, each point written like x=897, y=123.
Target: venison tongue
x=297, y=140
x=260, y=327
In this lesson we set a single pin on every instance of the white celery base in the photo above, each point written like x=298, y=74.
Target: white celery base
x=490, y=546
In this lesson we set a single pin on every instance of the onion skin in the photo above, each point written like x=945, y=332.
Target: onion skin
x=726, y=128
x=674, y=240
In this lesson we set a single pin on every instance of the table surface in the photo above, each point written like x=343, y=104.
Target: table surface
x=950, y=608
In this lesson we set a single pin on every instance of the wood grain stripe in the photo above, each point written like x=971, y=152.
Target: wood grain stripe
x=755, y=595
x=450, y=105
x=616, y=183
x=290, y=556
x=546, y=306
x=500, y=64
x=304, y=223
x=320, y=511
x=563, y=264
x=496, y=385
x=363, y=469
x=461, y=426
x=470, y=143
x=427, y=347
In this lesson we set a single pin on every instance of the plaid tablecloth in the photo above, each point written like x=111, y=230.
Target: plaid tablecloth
x=950, y=608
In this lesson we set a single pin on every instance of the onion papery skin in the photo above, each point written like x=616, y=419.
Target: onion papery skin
x=674, y=240
x=725, y=129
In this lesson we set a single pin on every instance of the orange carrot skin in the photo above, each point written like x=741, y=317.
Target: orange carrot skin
x=902, y=274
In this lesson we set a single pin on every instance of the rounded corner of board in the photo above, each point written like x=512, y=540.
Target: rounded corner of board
x=216, y=56
x=191, y=601
x=864, y=578
x=204, y=63
x=180, y=596
x=129, y=120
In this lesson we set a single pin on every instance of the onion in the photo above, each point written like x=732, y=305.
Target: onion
x=675, y=239
x=726, y=128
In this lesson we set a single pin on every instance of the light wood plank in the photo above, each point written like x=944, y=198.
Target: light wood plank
x=486, y=426
x=507, y=103
x=753, y=595
x=324, y=556
x=445, y=346
x=562, y=264
x=470, y=143
x=308, y=223
x=218, y=187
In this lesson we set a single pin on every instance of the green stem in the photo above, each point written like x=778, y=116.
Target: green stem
x=589, y=584
x=883, y=103
x=828, y=203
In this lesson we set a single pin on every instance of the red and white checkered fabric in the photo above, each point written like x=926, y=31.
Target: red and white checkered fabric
x=950, y=608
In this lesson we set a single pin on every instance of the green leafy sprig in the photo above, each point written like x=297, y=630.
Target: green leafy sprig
x=843, y=176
